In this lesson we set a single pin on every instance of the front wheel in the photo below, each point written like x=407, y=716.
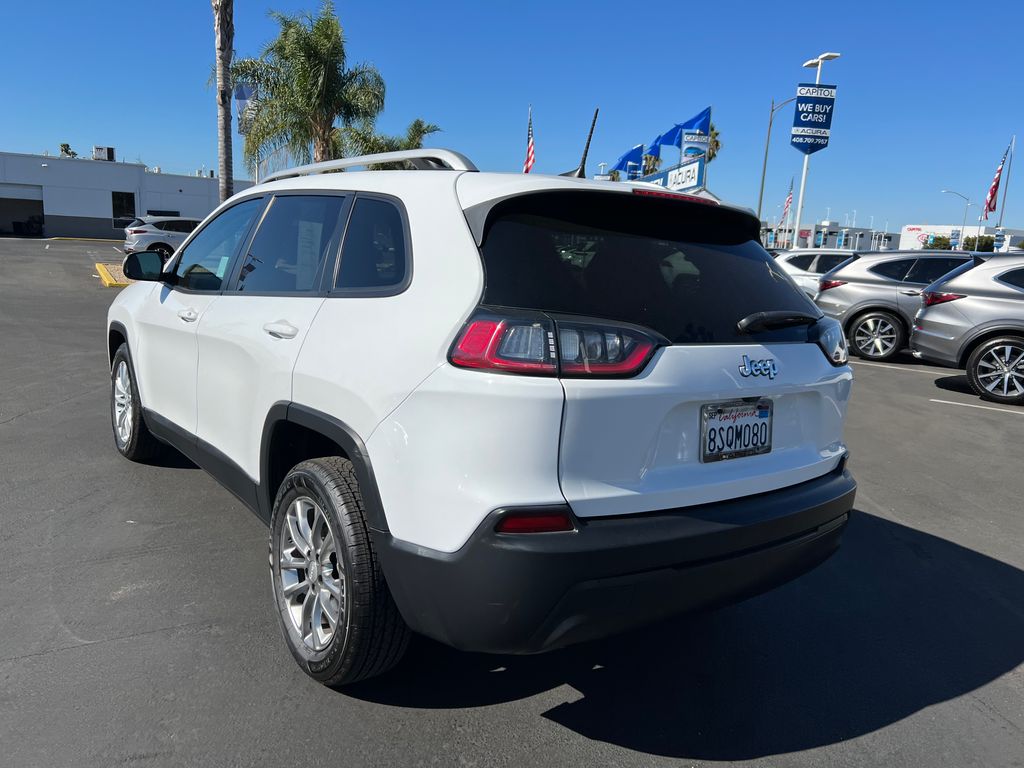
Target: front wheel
x=995, y=370
x=131, y=436
x=336, y=612
x=877, y=336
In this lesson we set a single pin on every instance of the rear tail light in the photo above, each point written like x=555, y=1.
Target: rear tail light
x=536, y=522
x=136, y=231
x=824, y=285
x=937, y=297
x=541, y=346
x=674, y=196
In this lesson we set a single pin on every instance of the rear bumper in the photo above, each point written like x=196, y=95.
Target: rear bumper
x=934, y=347
x=528, y=593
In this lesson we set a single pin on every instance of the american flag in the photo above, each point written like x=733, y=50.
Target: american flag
x=789, y=202
x=993, y=191
x=528, y=164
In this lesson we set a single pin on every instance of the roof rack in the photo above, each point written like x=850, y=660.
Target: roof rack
x=420, y=159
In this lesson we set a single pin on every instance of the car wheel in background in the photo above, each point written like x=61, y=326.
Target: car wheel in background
x=877, y=336
x=995, y=370
x=131, y=436
x=336, y=611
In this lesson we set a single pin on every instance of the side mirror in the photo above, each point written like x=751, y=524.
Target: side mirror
x=144, y=265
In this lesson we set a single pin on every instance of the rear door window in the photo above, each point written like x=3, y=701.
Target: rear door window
x=929, y=270
x=803, y=261
x=829, y=261
x=894, y=270
x=295, y=238
x=687, y=271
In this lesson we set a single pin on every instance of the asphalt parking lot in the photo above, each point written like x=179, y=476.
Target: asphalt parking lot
x=136, y=625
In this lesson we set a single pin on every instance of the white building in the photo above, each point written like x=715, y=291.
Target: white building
x=916, y=236
x=77, y=197
x=830, y=234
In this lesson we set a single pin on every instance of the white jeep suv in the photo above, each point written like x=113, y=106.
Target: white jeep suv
x=510, y=412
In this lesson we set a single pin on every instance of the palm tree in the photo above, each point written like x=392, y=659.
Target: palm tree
x=224, y=34
x=714, y=145
x=304, y=87
x=361, y=138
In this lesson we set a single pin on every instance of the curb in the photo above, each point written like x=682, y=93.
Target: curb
x=108, y=280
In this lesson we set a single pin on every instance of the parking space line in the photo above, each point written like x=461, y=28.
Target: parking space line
x=899, y=368
x=972, y=405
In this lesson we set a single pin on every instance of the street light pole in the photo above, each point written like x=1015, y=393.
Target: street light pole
x=822, y=58
x=767, y=142
x=963, y=227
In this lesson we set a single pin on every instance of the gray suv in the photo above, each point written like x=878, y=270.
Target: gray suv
x=876, y=295
x=973, y=318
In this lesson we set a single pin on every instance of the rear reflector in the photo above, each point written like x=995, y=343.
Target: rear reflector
x=532, y=522
x=824, y=285
x=936, y=297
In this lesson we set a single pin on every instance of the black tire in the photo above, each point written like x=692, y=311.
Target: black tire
x=140, y=444
x=863, y=328
x=165, y=251
x=981, y=366
x=369, y=635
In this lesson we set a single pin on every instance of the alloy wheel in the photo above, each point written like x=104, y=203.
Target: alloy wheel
x=875, y=337
x=312, y=575
x=123, y=403
x=1001, y=370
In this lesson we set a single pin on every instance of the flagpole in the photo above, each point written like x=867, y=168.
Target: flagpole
x=1009, y=166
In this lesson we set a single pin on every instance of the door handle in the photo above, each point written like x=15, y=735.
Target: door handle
x=281, y=329
x=189, y=315
x=911, y=293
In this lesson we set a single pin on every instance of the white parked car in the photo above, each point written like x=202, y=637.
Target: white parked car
x=162, y=234
x=508, y=412
x=806, y=266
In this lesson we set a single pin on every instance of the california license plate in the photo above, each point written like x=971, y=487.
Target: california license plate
x=735, y=428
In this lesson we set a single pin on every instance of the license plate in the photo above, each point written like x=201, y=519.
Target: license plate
x=735, y=428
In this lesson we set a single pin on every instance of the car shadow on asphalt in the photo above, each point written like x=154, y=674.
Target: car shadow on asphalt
x=955, y=384
x=897, y=621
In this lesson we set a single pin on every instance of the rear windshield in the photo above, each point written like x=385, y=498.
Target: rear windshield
x=688, y=271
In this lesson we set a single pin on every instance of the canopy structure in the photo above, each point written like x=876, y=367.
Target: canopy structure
x=700, y=123
x=634, y=156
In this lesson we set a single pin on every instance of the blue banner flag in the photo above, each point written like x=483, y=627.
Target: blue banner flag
x=812, y=118
x=633, y=157
x=699, y=123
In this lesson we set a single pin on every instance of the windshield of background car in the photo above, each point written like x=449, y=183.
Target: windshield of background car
x=689, y=271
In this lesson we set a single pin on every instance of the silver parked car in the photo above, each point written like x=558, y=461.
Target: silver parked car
x=162, y=234
x=973, y=318
x=876, y=295
x=807, y=265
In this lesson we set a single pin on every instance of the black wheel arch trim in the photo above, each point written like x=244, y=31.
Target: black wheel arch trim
x=338, y=432
x=119, y=327
x=981, y=336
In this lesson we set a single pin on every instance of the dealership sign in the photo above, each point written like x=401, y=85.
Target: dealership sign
x=812, y=120
x=687, y=175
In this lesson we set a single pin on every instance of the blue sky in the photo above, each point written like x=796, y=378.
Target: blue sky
x=929, y=93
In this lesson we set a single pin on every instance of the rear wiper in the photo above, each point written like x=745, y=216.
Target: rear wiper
x=775, y=318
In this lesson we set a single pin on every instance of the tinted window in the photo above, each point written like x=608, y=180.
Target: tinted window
x=374, y=255
x=894, y=270
x=1014, y=278
x=203, y=263
x=294, y=238
x=179, y=226
x=929, y=270
x=803, y=261
x=829, y=261
x=689, y=272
